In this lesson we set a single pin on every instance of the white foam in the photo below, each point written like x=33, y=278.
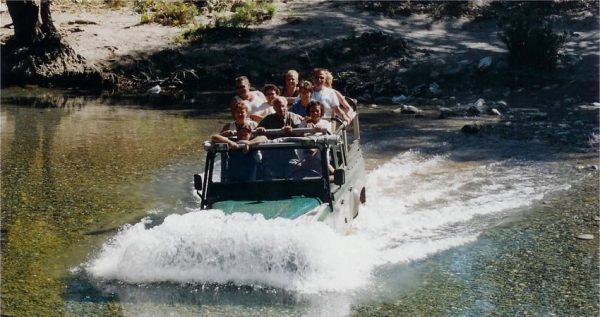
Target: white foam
x=209, y=246
x=417, y=205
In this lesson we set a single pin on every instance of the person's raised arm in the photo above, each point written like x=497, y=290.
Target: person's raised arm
x=225, y=131
x=345, y=105
x=256, y=140
x=217, y=138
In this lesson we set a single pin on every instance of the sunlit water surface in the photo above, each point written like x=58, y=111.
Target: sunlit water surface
x=179, y=260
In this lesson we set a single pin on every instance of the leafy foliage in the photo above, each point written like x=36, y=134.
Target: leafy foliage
x=249, y=13
x=166, y=12
x=202, y=15
x=115, y=3
x=531, y=42
x=254, y=12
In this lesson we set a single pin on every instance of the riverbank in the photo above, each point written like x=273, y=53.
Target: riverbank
x=372, y=54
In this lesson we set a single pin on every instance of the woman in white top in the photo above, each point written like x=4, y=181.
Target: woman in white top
x=344, y=105
x=254, y=99
x=326, y=95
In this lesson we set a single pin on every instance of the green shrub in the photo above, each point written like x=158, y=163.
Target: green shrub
x=252, y=12
x=530, y=42
x=166, y=12
x=215, y=5
x=115, y=3
x=146, y=17
x=143, y=6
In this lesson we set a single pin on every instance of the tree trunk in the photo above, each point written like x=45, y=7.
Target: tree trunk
x=24, y=15
x=36, y=54
x=47, y=27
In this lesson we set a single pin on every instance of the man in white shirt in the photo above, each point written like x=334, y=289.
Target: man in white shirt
x=254, y=99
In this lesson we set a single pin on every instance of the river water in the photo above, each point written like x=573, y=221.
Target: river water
x=101, y=217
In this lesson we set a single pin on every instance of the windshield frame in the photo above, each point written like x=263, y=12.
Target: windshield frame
x=266, y=189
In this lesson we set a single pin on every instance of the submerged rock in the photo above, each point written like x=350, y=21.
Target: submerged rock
x=472, y=128
x=585, y=236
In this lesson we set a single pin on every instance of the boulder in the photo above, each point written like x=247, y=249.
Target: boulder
x=472, y=128
x=473, y=111
x=407, y=109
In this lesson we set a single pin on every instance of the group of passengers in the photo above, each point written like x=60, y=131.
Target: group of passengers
x=303, y=104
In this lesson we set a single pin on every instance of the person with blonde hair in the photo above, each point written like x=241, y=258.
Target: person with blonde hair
x=326, y=95
x=291, y=89
x=341, y=99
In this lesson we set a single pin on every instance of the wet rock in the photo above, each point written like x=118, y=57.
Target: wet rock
x=585, y=236
x=480, y=103
x=589, y=107
x=473, y=111
x=407, y=109
x=472, y=128
x=476, y=108
x=494, y=112
x=445, y=112
x=155, y=90
x=484, y=63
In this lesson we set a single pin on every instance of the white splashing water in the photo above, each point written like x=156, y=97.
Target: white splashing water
x=416, y=206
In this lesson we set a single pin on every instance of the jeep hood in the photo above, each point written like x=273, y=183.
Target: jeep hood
x=290, y=208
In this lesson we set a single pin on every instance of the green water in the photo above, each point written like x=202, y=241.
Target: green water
x=73, y=170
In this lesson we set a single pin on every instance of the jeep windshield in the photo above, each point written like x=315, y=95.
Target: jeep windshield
x=279, y=169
